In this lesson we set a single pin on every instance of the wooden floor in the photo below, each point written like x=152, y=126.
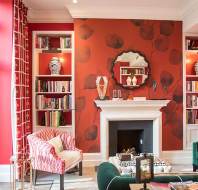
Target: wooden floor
x=87, y=182
x=73, y=181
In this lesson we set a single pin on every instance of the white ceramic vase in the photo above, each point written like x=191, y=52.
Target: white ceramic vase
x=55, y=66
x=134, y=81
x=101, y=84
x=128, y=81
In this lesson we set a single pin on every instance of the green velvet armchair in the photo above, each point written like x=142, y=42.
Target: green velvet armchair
x=195, y=155
x=108, y=178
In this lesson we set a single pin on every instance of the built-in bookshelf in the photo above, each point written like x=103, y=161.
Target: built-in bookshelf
x=53, y=95
x=191, y=90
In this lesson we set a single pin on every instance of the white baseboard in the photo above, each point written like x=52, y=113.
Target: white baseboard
x=91, y=159
x=174, y=157
x=178, y=156
x=4, y=173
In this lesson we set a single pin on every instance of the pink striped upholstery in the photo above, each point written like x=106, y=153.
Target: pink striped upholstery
x=44, y=155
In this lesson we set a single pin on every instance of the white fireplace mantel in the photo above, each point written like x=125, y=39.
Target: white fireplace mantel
x=122, y=110
x=154, y=105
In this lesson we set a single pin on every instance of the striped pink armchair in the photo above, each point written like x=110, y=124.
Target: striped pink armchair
x=45, y=158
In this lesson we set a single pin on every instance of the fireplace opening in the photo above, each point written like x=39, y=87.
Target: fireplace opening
x=135, y=135
x=130, y=141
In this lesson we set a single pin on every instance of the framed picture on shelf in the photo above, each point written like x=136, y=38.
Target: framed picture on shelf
x=144, y=169
x=68, y=42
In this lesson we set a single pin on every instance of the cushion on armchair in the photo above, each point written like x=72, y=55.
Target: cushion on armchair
x=70, y=157
x=57, y=144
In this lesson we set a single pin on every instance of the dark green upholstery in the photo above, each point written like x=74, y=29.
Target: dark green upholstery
x=195, y=155
x=109, y=178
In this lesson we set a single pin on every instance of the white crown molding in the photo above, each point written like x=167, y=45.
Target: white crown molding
x=190, y=17
x=125, y=12
x=113, y=12
x=49, y=16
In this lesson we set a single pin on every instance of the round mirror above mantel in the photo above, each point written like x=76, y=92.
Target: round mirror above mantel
x=130, y=69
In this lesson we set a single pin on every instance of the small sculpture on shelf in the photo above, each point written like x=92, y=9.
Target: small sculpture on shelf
x=55, y=66
x=134, y=81
x=128, y=81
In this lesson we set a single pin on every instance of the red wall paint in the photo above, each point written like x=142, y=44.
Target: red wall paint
x=98, y=42
x=5, y=80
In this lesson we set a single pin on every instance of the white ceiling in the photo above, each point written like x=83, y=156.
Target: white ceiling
x=60, y=4
x=66, y=10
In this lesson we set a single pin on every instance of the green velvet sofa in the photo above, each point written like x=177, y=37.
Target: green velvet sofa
x=108, y=178
x=195, y=156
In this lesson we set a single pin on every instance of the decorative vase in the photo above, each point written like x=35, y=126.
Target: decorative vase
x=134, y=81
x=101, y=84
x=128, y=81
x=55, y=66
x=196, y=68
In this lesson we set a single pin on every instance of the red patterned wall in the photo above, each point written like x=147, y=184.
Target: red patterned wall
x=97, y=43
x=6, y=18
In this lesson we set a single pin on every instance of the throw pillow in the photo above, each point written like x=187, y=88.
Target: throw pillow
x=57, y=144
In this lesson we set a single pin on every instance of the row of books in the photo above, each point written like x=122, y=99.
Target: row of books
x=65, y=42
x=192, y=44
x=191, y=101
x=53, y=118
x=191, y=117
x=54, y=86
x=192, y=86
x=43, y=102
x=42, y=42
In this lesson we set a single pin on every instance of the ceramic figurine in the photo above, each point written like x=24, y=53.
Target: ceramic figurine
x=55, y=66
x=128, y=81
x=134, y=80
x=101, y=84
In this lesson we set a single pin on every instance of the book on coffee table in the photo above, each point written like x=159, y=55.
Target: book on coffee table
x=188, y=185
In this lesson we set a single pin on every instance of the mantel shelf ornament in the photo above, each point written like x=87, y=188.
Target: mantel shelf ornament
x=101, y=84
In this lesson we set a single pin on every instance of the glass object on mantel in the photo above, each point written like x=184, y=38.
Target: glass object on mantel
x=130, y=69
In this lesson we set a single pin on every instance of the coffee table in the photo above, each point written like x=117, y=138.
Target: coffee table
x=150, y=186
x=160, y=186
